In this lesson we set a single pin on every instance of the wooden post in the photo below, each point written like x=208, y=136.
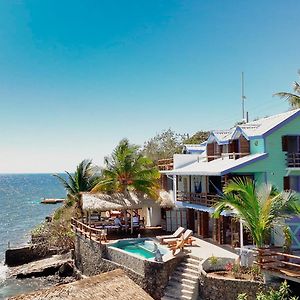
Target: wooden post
x=198, y=223
x=241, y=235
x=131, y=221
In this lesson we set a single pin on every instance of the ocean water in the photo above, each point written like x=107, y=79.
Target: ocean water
x=20, y=212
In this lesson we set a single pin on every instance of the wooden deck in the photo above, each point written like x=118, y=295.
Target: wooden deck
x=94, y=234
x=279, y=264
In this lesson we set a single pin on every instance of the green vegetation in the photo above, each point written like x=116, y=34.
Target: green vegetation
x=283, y=293
x=83, y=180
x=259, y=207
x=288, y=239
x=213, y=260
x=292, y=98
x=164, y=145
x=240, y=272
x=197, y=138
x=127, y=169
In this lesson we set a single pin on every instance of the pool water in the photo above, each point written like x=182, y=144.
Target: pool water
x=137, y=249
x=143, y=248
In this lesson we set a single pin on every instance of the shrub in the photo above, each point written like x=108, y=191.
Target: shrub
x=283, y=293
x=213, y=260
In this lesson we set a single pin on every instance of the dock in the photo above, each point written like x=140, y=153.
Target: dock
x=52, y=200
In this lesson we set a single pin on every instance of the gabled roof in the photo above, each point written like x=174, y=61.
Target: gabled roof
x=258, y=128
x=267, y=125
x=216, y=167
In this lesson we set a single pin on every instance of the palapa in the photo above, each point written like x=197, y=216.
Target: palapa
x=120, y=201
x=106, y=286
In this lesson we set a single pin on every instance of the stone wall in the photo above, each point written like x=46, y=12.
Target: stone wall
x=92, y=258
x=214, y=288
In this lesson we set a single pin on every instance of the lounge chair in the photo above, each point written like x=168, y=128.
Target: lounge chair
x=186, y=238
x=175, y=235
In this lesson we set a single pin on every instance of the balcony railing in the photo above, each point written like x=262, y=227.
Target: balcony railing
x=293, y=160
x=198, y=198
x=165, y=164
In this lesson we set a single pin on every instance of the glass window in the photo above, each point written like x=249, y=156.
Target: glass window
x=295, y=183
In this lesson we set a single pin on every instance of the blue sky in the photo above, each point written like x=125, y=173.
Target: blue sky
x=77, y=76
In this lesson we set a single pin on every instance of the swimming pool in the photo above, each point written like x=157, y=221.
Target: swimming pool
x=144, y=248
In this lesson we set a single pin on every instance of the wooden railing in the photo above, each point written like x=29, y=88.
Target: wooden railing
x=86, y=231
x=197, y=198
x=165, y=164
x=293, y=160
x=278, y=262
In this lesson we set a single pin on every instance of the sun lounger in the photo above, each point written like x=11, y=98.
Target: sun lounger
x=175, y=235
x=186, y=237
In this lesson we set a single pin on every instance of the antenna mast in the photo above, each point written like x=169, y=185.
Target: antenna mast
x=243, y=97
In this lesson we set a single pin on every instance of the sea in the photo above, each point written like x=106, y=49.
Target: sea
x=20, y=212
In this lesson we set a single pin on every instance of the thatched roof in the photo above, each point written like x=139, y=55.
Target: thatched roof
x=119, y=201
x=107, y=286
x=166, y=199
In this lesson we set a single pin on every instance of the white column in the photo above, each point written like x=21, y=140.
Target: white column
x=241, y=235
x=174, y=188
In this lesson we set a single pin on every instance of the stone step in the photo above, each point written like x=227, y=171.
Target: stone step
x=178, y=291
x=192, y=261
x=185, y=275
x=194, y=257
x=189, y=266
x=184, y=280
x=177, y=297
x=183, y=285
x=182, y=269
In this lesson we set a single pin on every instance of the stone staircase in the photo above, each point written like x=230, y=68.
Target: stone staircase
x=184, y=282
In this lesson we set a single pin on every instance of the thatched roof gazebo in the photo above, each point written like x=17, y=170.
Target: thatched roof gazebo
x=107, y=286
x=118, y=201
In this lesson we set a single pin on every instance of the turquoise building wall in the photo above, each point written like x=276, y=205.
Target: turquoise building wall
x=272, y=169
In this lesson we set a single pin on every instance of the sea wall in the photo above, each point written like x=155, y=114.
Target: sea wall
x=26, y=254
x=92, y=258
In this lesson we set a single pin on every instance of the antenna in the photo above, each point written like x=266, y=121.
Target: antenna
x=243, y=96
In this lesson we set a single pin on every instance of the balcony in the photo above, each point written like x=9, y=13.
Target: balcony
x=293, y=160
x=165, y=164
x=198, y=198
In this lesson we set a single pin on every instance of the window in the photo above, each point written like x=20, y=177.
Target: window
x=295, y=183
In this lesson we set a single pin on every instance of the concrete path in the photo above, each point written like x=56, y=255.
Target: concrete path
x=203, y=249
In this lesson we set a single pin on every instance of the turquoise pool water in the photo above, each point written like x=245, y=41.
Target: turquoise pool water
x=144, y=248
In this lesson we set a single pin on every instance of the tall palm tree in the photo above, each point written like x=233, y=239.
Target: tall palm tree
x=258, y=207
x=128, y=170
x=83, y=180
x=292, y=98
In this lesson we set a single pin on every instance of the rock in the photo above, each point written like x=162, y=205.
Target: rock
x=66, y=269
x=42, y=267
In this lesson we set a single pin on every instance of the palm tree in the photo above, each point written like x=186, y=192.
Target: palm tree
x=128, y=170
x=258, y=207
x=83, y=180
x=292, y=98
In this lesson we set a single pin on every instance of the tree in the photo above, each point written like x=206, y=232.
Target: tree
x=127, y=169
x=292, y=98
x=83, y=180
x=164, y=145
x=197, y=138
x=258, y=207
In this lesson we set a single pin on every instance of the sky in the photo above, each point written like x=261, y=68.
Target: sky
x=77, y=76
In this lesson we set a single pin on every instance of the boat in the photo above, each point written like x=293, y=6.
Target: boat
x=52, y=200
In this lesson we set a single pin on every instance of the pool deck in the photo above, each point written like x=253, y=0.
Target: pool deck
x=204, y=249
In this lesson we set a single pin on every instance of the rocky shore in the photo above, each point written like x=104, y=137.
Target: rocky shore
x=52, y=270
